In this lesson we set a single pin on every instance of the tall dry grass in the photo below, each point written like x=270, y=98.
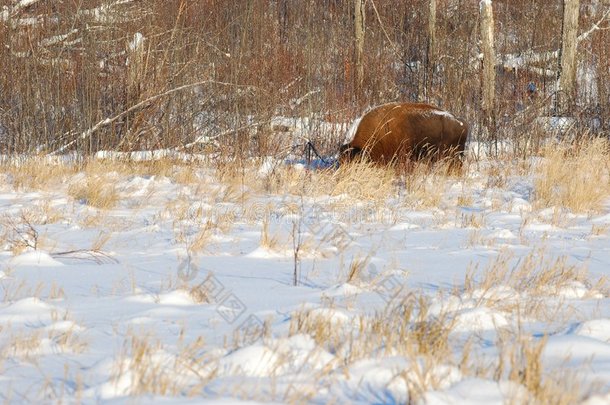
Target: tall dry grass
x=144, y=367
x=574, y=175
x=38, y=172
x=521, y=287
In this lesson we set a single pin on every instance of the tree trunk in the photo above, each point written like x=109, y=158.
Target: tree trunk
x=431, y=49
x=135, y=68
x=567, y=60
x=489, y=63
x=359, y=22
x=282, y=18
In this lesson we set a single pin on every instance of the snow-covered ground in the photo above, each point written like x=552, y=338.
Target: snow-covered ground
x=179, y=286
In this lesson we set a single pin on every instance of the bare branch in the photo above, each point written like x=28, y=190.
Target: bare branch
x=142, y=104
x=595, y=26
x=523, y=60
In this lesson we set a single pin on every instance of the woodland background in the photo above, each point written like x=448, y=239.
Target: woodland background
x=148, y=74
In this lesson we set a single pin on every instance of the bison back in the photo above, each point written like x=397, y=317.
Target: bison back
x=397, y=131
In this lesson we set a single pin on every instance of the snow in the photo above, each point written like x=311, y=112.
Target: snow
x=251, y=361
x=474, y=391
x=479, y=319
x=351, y=132
x=444, y=113
x=137, y=42
x=555, y=124
x=35, y=258
x=485, y=3
x=595, y=328
x=170, y=295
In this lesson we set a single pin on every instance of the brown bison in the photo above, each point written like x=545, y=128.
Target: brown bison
x=395, y=132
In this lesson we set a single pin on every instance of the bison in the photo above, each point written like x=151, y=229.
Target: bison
x=397, y=132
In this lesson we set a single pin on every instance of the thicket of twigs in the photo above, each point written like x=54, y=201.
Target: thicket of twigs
x=146, y=74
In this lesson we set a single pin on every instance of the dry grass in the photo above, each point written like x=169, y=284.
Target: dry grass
x=203, y=237
x=200, y=294
x=360, y=180
x=198, y=230
x=598, y=230
x=535, y=273
x=17, y=289
x=144, y=367
x=284, y=179
x=474, y=221
x=357, y=266
x=56, y=292
x=95, y=191
x=425, y=183
x=356, y=181
x=405, y=327
x=94, y=180
x=520, y=361
x=30, y=345
x=268, y=241
x=574, y=175
x=159, y=167
x=47, y=173
x=520, y=358
x=523, y=287
x=98, y=188
x=38, y=172
x=18, y=234
x=46, y=212
x=95, y=185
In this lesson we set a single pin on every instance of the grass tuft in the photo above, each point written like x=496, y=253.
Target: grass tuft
x=574, y=175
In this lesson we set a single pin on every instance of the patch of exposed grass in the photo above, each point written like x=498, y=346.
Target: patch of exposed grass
x=95, y=191
x=38, y=173
x=362, y=180
x=522, y=286
x=144, y=367
x=574, y=175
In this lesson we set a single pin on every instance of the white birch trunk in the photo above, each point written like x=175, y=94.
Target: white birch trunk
x=359, y=22
x=489, y=58
x=567, y=63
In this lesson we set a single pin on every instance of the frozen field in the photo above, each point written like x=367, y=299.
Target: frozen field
x=122, y=283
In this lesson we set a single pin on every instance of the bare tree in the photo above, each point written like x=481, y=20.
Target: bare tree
x=489, y=63
x=431, y=47
x=567, y=60
x=89, y=76
x=282, y=18
x=359, y=23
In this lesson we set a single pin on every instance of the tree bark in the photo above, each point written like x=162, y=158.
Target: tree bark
x=282, y=18
x=489, y=56
x=567, y=60
x=489, y=63
x=136, y=54
x=431, y=48
x=359, y=23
